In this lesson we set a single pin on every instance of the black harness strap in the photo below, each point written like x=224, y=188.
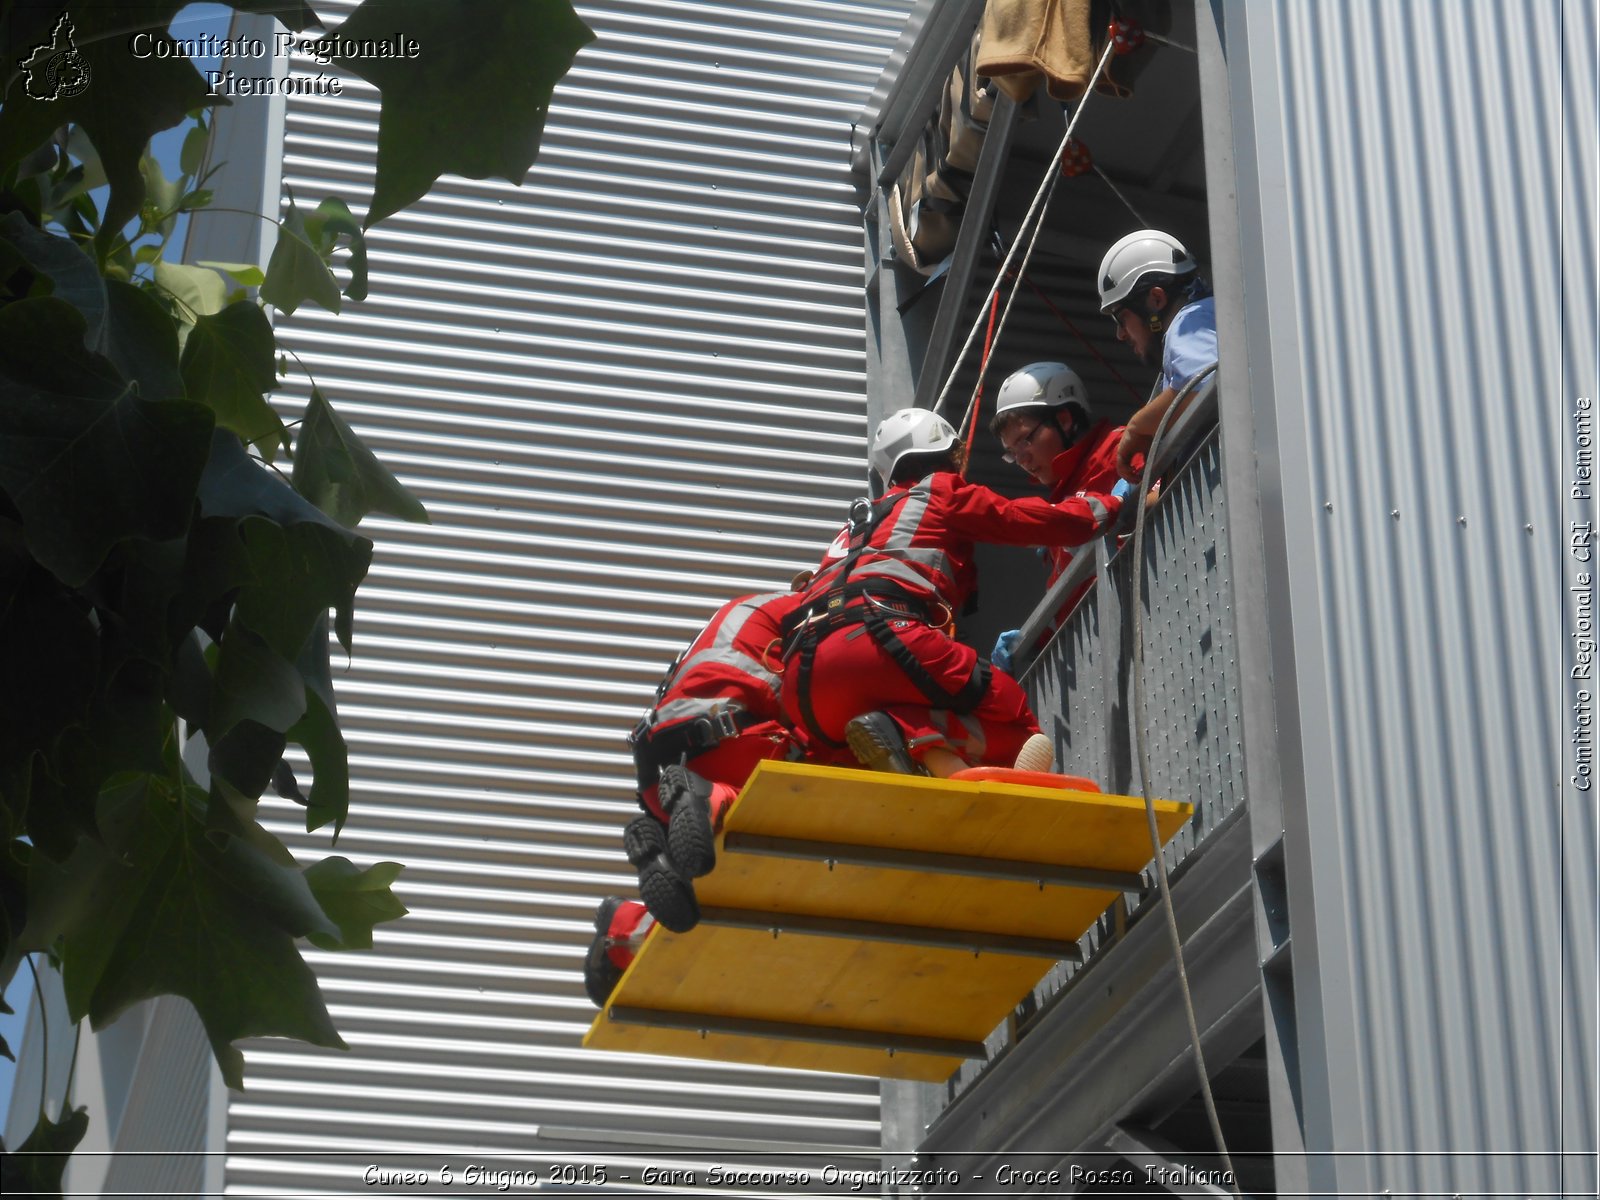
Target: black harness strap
x=871, y=604
x=654, y=749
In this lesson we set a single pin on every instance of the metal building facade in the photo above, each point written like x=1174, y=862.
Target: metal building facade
x=626, y=391
x=1411, y=324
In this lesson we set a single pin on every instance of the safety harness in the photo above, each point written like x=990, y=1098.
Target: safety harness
x=656, y=748
x=871, y=604
x=664, y=736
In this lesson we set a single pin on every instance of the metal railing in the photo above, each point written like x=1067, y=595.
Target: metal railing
x=1079, y=675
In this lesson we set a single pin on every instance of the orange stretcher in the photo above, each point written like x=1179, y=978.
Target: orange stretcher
x=878, y=924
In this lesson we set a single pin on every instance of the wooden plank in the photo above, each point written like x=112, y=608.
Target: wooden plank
x=890, y=985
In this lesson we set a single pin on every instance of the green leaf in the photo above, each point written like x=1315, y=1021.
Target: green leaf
x=248, y=274
x=72, y=274
x=335, y=471
x=253, y=682
x=37, y=1167
x=241, y=762
x=296, y=272
x=161, y=196
x=84, y=459
x=334, y=220
x=142, y=342
x=193, y=154
x=356, y=900
x=301, y=562
x=46, y=633
x=227, y=363
x=123, y=100
x=199, y=292
x=318, y=732
x=473, y=101
x=215, y=925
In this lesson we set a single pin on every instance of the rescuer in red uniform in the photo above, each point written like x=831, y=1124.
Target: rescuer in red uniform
x=1043, y=423
x=716, y=715
x=870, y=660
x=1042, y=420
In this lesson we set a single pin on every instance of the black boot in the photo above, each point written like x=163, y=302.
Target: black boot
x=665, y=890
x=879, y=745
x=690, y=838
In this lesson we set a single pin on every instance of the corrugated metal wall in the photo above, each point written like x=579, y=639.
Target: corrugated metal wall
x=625, y=391
x=163, y=1117
x=1405, y=268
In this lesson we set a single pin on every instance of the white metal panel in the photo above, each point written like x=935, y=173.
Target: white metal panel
x=626, y=391
x=1404, y=167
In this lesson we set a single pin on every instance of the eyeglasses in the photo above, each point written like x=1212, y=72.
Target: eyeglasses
x=1016, y=448
x=1116, y=314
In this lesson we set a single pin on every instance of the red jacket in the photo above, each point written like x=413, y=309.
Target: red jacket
x=726, y=666
x=925, y=545
x=1086, y=468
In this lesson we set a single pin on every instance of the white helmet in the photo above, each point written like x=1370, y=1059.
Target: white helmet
x=1141, y=255
x=909, y=431
x=1043, y=385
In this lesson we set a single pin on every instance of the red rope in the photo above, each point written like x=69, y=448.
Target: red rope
x=1087, y=344
x=977, y=399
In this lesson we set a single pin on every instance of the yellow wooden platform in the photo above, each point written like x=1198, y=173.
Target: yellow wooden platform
x=877, y=924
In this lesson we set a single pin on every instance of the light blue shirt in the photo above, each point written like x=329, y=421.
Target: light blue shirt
x=1190, y=344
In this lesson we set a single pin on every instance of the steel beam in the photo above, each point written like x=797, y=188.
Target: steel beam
x=1114, y=1044
x=977, y=941
x=1155, y=1155
x=827, y=1035
x=971, y=239
x=913, y=98
x=849, y=855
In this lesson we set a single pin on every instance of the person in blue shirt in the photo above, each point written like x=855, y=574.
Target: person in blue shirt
x=1162, y=306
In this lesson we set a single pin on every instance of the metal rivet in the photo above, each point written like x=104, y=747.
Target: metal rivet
x=1461, y=520
x=1395, y=513
x=1328, y=504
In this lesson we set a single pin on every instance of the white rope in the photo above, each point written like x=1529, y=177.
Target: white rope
x=1117, y=192
x=1041, y=200
x=1166, y=41
x=1144, y=772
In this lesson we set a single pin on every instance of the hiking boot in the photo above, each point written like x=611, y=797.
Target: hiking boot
x=665, y=889
x=691, y=840
x=1038, y=753
x=879, y=745
x=620, y=928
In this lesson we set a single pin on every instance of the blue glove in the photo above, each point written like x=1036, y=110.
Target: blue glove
x=1004, y=646
x=1129, y=512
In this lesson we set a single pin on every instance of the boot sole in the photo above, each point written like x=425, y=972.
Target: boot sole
x=690, y=840
x=879, y=749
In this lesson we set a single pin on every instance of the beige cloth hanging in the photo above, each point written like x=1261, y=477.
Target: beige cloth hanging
x=1022, y=40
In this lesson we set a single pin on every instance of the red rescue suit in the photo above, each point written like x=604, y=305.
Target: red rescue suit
x=718, y=704
x=1087, y=468
x=873, y=630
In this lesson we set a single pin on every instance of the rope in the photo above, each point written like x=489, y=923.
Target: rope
x=977, y=401
x=1117, y=192
x=1173, y=42
x=1087, y=344
x=1144, y=771
x=1034, y=217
